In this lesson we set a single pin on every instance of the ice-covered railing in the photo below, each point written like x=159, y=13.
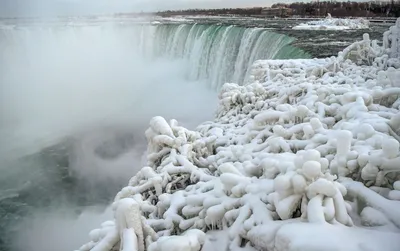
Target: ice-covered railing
x=330, y=23
x=307, y=141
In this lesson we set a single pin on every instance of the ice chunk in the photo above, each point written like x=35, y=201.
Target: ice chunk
x=330, y=23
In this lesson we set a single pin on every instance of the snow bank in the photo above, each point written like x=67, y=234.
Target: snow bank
x=330, y=23
x=305, y=141
x=311, y=237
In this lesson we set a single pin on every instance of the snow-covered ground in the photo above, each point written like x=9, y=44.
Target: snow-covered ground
x=304, y=157
x=330, y=23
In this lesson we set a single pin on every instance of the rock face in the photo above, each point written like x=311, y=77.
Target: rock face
x=307, y=141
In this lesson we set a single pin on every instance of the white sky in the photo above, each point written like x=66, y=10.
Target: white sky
x=61, y=7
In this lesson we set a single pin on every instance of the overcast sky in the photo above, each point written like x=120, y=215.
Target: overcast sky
x=62, y=7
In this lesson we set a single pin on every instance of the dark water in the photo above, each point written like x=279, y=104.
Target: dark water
x=318, y=44
x=327, y=43
x=51, y=180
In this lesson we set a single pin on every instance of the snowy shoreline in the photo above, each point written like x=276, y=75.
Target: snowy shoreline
x=330, y=23
x=305, y=141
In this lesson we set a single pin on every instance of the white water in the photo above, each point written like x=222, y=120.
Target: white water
x=221, y=54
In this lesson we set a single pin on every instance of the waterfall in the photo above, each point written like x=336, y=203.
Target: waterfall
x=221, y=54
x=218, y=54
x=35, y=55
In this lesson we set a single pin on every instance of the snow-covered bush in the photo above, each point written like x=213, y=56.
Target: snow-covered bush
x=303, y=141
x=312, y=190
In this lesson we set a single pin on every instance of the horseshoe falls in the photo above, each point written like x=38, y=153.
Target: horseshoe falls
x=75, y=100
x=221, y=54
x=69, y=64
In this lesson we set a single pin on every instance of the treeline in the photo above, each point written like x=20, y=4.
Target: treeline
x=344, y=9
x=311, y=9
x=225, y=11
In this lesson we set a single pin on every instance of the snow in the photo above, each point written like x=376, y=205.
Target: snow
x=330, y=23
x=311, y=237
x=190, y=241
x=305, y=156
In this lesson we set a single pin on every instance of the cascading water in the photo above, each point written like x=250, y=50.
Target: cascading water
x=218, y=54
x=61, y=80
x=221, y=54
x=210, y=54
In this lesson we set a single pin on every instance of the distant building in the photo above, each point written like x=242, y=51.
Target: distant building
x=276, y=12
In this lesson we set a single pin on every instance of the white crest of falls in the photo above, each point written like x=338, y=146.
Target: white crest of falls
x=218, y=54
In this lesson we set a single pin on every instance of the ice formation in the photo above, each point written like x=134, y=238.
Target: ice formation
x=304, y=141
x=330, y=23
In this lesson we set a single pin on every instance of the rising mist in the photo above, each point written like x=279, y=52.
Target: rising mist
x=91, y=88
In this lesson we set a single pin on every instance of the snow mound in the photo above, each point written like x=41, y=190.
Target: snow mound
x=305, y=141
x=330, y=23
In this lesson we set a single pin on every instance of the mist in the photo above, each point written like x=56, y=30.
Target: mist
x=59, y=230
x=95, y=7
x=55, y=81
x=85, y=93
